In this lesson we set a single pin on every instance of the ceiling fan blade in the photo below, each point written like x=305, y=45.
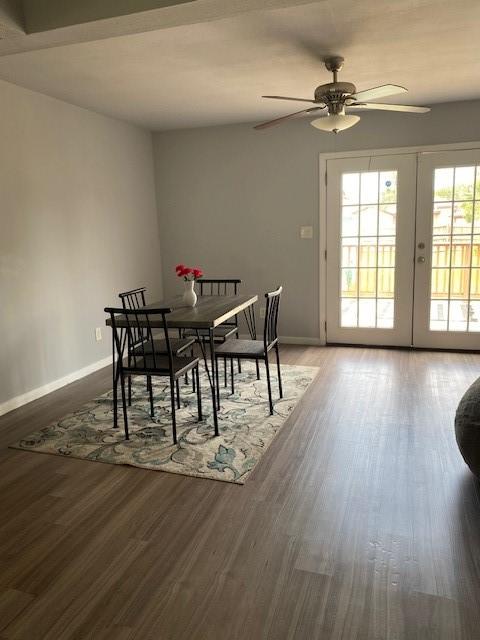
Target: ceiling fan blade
x=287, y=98
x=272, y=123
x=379, y=92
x=389, y=107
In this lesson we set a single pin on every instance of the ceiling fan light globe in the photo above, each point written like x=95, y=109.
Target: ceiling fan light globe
x=335, y=123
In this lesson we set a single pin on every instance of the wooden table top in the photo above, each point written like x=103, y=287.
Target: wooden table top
x=208, y=313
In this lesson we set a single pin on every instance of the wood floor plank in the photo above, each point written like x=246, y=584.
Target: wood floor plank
x=361, y=522
x=12, y=603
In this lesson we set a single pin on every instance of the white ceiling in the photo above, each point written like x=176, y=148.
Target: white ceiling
x=214, y=72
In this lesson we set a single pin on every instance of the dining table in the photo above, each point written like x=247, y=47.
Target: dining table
x=209, y=312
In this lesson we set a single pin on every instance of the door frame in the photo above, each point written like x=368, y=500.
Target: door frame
x=322, y=226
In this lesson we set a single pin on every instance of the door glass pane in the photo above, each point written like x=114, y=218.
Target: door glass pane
x=386, y=252
x=476, y=251
x=367, y=313
x=369, y=187
x=464, y=181
x=350, y=221
x=386, y=283
x=385, y=314
x=368, y=220
x=462, y=217
x=367, y=252
x=457, y=316
x=438, y=315
x=367, y=283
x=474, y=319
x=351, y=188
x=387, y=219
x=443, y=184
x=349, y=283
x=442, y=217
x=369, y=210
x=349, y=252
x=388, y=187
x=476, y=217
x=349, y=311
x=455, y=288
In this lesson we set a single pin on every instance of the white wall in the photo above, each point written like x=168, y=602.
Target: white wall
x=78, y=224
x=232, y=199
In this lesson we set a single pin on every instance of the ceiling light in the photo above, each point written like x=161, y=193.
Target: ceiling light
x=335, y=123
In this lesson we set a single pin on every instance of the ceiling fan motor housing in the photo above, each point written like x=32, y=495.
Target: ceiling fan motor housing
x=334, y=95
x=334, y=91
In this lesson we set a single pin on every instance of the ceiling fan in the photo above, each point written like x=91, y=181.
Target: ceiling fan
x=335, y=97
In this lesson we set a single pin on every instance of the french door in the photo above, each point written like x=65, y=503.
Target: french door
x=403, y=250
x=370, y=226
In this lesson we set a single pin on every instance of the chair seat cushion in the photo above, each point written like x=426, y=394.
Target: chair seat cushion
x=234, y=348
x=159, y=365
x=222, y=332
x=160, y=346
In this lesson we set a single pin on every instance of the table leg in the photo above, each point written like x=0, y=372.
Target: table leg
x=249, y=314
x=116, y=376
x=212, y=381
x=201, y=342
x=115, y=382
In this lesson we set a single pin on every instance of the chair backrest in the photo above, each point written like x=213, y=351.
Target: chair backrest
x=135, y=299
x=127, y=323
x=272, y=299
x=219, y=287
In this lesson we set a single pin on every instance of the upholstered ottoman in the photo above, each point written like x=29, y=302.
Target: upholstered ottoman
x=467, y=427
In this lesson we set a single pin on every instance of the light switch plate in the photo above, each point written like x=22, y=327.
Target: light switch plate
x=306, y=233
x=98, y=334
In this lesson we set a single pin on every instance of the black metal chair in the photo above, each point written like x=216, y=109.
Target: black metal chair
x=256, y=349
x=135, y=299
x=218, y=287
x=145, y=361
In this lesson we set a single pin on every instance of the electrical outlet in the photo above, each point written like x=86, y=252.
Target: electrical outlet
x=262, y=312
x=98, y=334
x=306, y=233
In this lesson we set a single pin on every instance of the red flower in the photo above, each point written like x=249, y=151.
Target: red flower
x=182, y=272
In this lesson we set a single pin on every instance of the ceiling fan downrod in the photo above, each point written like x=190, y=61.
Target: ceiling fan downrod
x=334, y=64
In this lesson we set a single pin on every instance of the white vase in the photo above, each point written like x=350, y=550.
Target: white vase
x=189, y=295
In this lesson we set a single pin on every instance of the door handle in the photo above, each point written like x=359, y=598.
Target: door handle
x=421, y=259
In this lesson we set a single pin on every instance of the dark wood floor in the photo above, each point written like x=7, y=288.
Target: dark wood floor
x=361, y=521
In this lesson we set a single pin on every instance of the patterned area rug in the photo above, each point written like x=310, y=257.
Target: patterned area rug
x=246, y=427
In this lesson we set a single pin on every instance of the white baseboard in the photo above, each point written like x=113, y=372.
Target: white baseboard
x=34, y=394
x=314, y=342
